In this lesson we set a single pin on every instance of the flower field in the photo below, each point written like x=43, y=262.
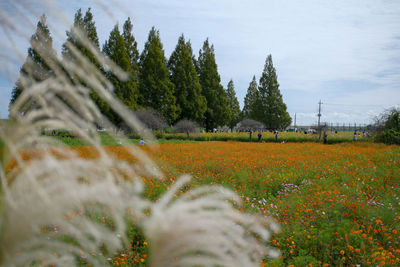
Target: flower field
x=338, y=205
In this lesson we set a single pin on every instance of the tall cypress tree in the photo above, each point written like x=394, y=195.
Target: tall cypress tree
x=115, y=49
x=86, y=25
x=131, y=45
x=36, y=68
x=274, y=114
x=187, y=87
x=156, y=90
x=234, y=108
x=217, y=102
x=252, y=109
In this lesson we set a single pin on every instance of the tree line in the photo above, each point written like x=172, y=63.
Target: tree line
x=181, y=87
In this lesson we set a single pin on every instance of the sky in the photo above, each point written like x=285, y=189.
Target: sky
x=345, y=53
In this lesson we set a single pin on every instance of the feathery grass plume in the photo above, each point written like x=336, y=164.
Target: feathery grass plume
x=50, y=202
x=202, y=228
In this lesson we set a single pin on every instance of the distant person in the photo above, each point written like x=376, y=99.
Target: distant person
x=355, y=136
x=335, y=131
x=259, y=136
x=250, y=133
x=276, y=136
x=141, y=142
x=325, y=138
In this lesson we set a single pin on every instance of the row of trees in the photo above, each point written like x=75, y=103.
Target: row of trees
x=181, y=87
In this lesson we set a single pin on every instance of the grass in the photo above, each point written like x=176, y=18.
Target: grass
x=107, y=140
x=165, y=138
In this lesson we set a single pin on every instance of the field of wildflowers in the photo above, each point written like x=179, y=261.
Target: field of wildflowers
x=332, y=137
x=338, y=205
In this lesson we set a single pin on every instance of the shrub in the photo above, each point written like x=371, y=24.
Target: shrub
x=389, y=137
x=388, y=127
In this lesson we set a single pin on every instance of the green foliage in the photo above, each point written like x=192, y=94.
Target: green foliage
x=266, y=137
x=38, y=64
x=390, y=133
x=273, y=111
x=131, y=45
x=304, y=261
x=86, y=26
x=235, y=113
x=115, y=49
x=156, y=90
x=217, y=102
x=393, y=120
x=183, y=75
x=389, y=137
x=252, y=109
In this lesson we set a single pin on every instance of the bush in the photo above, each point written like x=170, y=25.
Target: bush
x=389, y=137
x=388, y=127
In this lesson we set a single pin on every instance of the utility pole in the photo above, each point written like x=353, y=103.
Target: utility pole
x=295, y=121
x=319, y=118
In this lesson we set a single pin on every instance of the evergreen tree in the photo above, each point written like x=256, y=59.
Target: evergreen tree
x=131, y=45
x=36, y=68
x=252, y=109
x=235, y=113
x=187, y=87
x=217, y=102
x=90, y=28
x=274, y=114
x=115, y=49
x=156, y=90
x=85, y=25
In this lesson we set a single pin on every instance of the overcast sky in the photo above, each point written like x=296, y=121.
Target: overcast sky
x=343, y=52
